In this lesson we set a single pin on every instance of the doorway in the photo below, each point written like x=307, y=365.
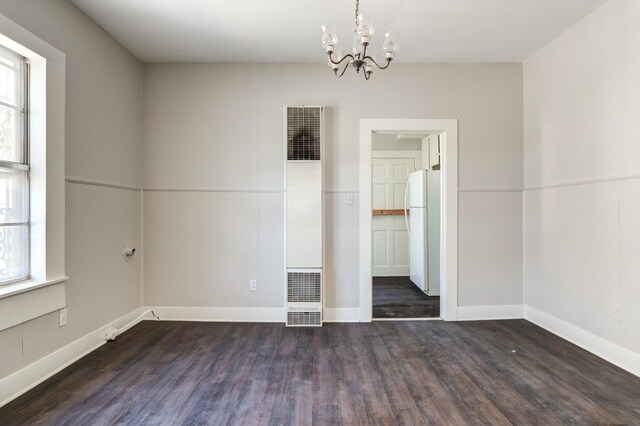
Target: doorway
x=448, y=139
x=405, y=230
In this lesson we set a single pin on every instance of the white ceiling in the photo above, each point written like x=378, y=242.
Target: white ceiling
x=289, y=30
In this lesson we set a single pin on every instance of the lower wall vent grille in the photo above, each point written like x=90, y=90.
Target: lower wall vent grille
x=304, y=318
x=304, y=287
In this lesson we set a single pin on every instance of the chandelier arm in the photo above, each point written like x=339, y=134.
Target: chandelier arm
x=349, y=55
x=377, y=64
x=367, y=75
x=343, y=71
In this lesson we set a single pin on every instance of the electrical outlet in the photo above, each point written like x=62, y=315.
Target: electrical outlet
x=349, y=199
x=63, y=317
x=617, y=312
x=253, y=285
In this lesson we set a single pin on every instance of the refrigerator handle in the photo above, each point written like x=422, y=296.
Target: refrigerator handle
x=406, y=196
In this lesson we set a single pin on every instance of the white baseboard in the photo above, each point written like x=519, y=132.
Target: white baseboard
x=492, y=312
x=341, y=315
x=195, y=313
x=236, y=314
x=605, y=349
x=33, y=374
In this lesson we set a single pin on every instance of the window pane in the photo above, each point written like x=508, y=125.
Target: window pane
x=14, y=196
x=14, y=252
x=11, y=134
x=11, y=78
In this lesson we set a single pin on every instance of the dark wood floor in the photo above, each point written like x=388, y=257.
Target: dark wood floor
x=399, y=372
x=398, y=297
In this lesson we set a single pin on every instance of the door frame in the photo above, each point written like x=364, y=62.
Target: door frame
x=448, y=129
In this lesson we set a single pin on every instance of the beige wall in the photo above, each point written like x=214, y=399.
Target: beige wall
x=103, y=134
x=582, y=165
x=219, y=128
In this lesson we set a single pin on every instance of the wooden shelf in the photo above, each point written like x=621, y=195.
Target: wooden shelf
x=397, y=212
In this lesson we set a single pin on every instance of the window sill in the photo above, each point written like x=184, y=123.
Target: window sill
x=26, y=300
x=27, y=285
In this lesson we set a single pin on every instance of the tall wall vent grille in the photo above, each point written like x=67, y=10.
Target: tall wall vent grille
x=304, y=217
x=304, y=133
x=304, y=287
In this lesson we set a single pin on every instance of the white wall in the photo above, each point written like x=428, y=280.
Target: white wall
x=390, y=142
x=103, y=135
x=582, y=165
x=213, y=154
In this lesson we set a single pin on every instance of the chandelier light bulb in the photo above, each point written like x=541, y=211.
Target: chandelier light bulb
x=365, y=28
x=329, y=38
x=390, y=45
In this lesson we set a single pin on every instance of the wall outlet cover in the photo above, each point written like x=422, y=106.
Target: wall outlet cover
x=617, y=312
x=253, y=285
x=349, y=199
x=63, y=317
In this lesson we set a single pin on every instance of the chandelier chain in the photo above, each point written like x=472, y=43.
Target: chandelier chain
x=357, y=13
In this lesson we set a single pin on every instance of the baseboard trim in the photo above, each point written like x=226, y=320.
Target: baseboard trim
x=37, y=372
x=605, y=349
x=491, y=312
x=341, y=315
x=241, y=314
x=218, y=314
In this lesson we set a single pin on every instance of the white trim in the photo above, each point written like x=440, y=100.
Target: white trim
x=490, y=190
x=90, y=182
x=218, y=314
x=258, y=190
x=102, y=184
x=25, y=306
x=407, y=319
x=398, y=154
x=33, y=374
x=588, y=181
x=448, y=128
x=491, y=312
x=27, y=285
x=341, y=315
x=622, y=357
x=341, y=191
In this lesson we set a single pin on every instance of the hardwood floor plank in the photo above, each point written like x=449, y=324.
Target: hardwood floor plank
x=383, y=373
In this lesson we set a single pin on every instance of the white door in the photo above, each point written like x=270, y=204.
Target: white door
x=390, y=242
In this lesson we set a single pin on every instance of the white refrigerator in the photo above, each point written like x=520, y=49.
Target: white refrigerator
x=423, y=206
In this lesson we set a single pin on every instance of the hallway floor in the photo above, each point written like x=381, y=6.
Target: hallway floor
x=398, y=297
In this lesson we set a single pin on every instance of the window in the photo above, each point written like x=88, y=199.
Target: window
x=14, y=168
x=32, y=181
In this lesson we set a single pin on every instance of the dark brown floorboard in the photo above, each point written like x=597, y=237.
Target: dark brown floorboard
x=390, y=373
x=398, y=297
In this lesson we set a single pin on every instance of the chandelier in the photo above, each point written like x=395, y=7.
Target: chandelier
x=359, y=60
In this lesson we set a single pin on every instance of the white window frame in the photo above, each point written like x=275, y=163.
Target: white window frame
x=44, y=291
x=23, y=108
